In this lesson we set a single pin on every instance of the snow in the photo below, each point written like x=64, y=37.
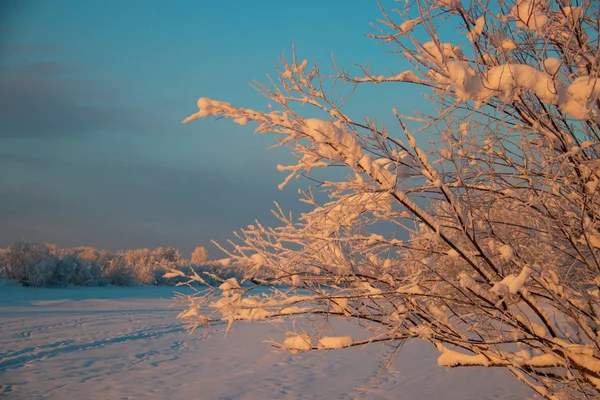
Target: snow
x=512, y=283
x=372, y=290
x=451, y=358
x=229, y=285
x=444, y=50
x=507, y=44
x=335, y=342
x=126, y=343
x=409, y=25
x=298, y=343
x=299, y=69
x=258, y=260
x=477, y=29
x=551, y=65
x=594, y=238
x=508, y=80
x=339, y=305
x=453, y=253
x=297, y=280
x=506, y=252
x=529, y=14
x=449, y=3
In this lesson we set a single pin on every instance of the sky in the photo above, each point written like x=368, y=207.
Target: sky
x=92, y=94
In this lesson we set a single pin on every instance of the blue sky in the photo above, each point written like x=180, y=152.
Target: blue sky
x=92, y=151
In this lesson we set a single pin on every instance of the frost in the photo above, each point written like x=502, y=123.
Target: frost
x=516, y=166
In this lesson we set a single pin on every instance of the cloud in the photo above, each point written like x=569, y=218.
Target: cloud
x=47, y=68
x=43, y=97
x=9, y=49
x=41, y=100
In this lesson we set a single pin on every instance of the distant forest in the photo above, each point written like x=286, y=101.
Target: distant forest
x=46, y=265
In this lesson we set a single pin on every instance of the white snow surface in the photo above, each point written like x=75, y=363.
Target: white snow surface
x=126, y=343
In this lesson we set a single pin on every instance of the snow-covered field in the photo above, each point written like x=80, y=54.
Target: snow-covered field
x=126, y=343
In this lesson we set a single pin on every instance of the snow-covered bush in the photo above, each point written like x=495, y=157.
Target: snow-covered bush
x=119, y=273
x=34, y=264
x=486, y=243
x=82, y=272
x=199, y=256
x=4, y=270
x=213, y=272
x=149, y=266
x=141, y=263
x=21, y=260
x=44, y=273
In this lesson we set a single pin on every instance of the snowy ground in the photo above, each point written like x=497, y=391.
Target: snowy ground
x=126, y=343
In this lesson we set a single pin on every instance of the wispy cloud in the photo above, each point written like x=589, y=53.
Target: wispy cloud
x=43, y=99
x=34, y=69
x=51, y=107
x=9, y=49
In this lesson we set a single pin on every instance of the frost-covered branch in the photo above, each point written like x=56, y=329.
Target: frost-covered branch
x=486, y=242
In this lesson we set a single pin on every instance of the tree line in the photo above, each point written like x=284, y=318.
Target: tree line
x=45, y=264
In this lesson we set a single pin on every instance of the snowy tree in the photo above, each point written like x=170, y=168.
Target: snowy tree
x=149, y=266
x=199, y=256
x=118, y=272
x=486, y=242
x=82, y=272
x=142, y=264
x=165, y=258
x=28, y=263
